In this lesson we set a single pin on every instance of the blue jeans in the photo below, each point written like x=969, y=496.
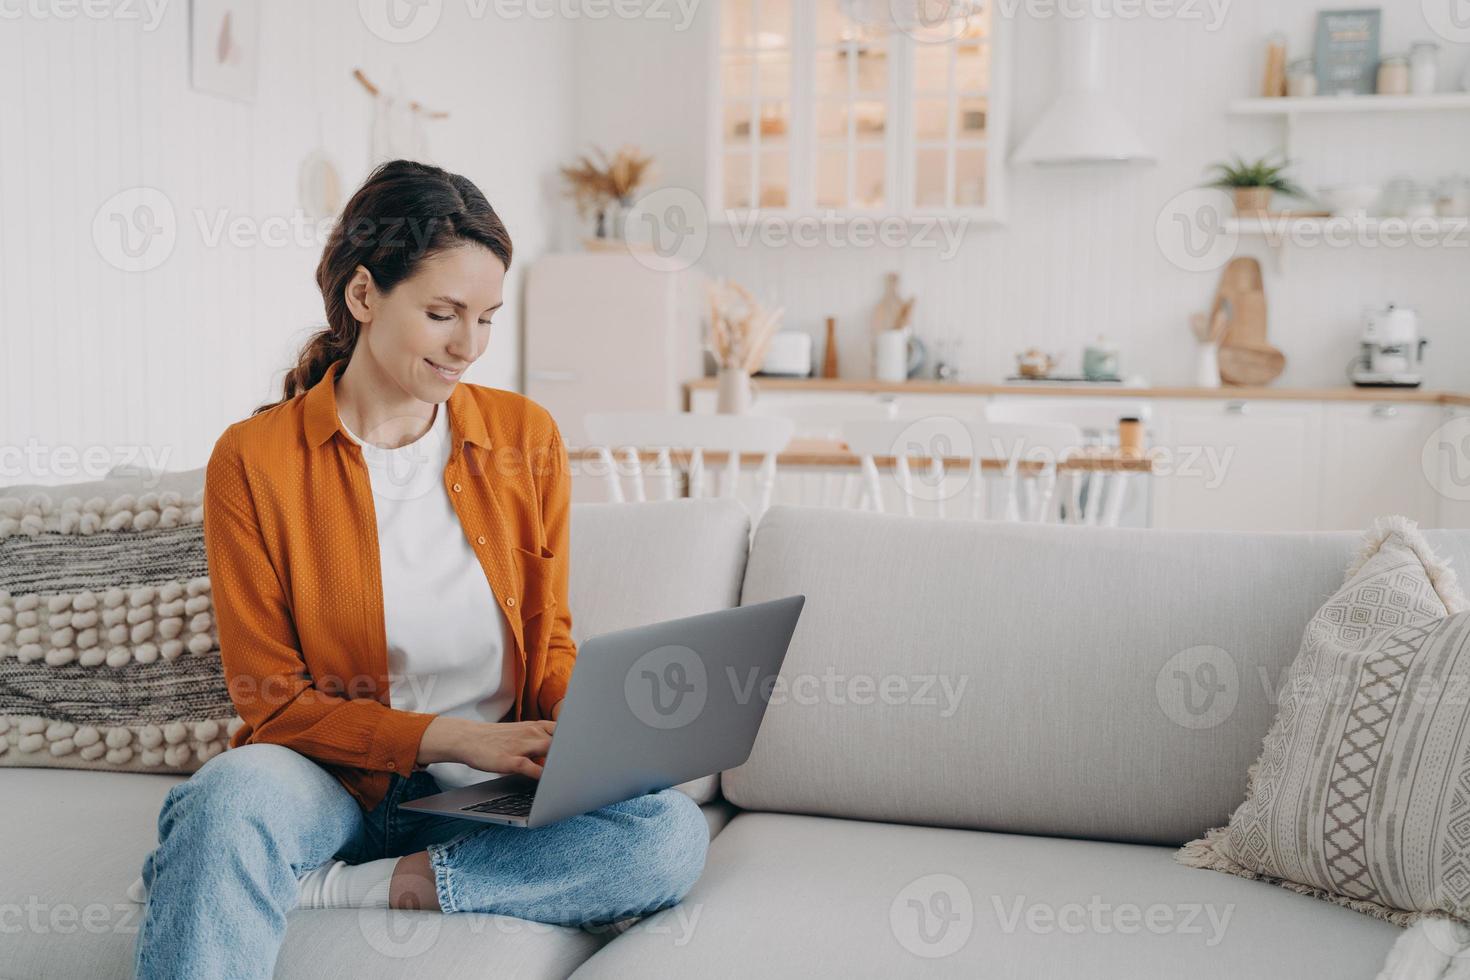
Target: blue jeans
x=234, y=838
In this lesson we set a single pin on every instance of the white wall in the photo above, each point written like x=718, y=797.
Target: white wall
x=163, y=360
x=1078, y=254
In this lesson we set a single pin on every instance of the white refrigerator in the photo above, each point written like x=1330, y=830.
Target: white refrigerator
x=606, y=333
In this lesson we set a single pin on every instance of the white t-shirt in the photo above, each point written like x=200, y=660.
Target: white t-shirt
x=447, y=636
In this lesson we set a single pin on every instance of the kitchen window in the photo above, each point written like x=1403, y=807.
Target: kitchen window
x=815, y=112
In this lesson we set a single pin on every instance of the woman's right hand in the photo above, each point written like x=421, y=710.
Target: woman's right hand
x=502, y=747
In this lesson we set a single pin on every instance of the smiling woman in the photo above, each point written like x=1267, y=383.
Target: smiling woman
x=390, y=601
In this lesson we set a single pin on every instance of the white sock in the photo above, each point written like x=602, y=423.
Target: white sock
x=334, y=885
x=339, y=885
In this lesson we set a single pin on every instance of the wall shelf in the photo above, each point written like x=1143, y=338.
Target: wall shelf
x=1288, y=106
x=1288, y=109
x=1344, y=231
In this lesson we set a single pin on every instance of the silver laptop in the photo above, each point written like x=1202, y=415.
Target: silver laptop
x=647, y=708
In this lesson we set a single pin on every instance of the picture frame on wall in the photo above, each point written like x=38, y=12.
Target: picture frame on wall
x=224, y=47
x=1347, y=51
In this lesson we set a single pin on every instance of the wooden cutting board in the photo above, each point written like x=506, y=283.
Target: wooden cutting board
x=1246, y=357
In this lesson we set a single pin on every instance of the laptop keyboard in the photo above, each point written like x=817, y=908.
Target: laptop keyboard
x=514, y=805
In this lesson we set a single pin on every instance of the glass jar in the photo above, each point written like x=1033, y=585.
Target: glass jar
x=1301, y=78
x=1453, y=197
x=1423, y=68
x=1393, y=75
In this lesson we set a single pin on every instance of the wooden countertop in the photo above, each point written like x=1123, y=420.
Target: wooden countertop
x=835, y=454
x=930, y=387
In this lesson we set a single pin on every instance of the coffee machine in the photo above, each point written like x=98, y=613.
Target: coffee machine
x=1391, y=353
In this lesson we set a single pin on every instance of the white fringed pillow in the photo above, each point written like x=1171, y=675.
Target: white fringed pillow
x=1361, y=795
x=109, y=657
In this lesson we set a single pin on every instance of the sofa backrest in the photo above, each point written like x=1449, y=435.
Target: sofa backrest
x=1086, y=682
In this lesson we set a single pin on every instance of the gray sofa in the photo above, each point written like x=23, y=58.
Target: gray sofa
x=987, y=741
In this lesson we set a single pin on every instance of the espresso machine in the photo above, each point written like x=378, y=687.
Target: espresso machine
x=1391, y=352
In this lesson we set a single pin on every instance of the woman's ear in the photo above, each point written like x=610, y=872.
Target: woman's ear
x=360, y=294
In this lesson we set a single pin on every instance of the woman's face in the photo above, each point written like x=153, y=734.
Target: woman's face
x=434, y=324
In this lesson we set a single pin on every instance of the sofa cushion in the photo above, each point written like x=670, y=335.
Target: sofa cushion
x=639, y=563
x=1359, y=794
x=1107, y=683
x=79, y=840
x=108, y=652
x=786, y=895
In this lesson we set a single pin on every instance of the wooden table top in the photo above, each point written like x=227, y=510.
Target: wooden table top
x=836, y=454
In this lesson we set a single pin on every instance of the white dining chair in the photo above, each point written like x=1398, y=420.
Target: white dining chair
x=626, y=436
x=1031, y=497
x=1096, y=497
x=821, y=421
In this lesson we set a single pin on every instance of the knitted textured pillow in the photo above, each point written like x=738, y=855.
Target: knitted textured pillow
x=108, y=653
x=1361, y=795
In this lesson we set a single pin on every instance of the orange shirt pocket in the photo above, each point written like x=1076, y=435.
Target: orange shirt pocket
x=537, y=583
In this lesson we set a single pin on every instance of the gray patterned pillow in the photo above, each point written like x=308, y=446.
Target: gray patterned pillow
x=108, y=652
x=1361, y=795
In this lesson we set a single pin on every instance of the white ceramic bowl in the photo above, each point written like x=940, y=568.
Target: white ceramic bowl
x=1349, y=199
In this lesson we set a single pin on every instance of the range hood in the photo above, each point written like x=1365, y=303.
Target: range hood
x=1082, y=125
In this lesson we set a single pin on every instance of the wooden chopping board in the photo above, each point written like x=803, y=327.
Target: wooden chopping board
x=1246, y=357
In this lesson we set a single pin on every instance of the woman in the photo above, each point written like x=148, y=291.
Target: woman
x=388, y=552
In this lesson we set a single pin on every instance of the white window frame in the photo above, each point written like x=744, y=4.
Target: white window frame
x=900, y=147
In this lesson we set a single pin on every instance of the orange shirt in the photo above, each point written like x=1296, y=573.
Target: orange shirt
x=291, y=540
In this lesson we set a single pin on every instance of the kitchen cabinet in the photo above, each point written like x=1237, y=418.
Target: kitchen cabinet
x=1237, y=464
x=1372, y=464
x=1448, y=455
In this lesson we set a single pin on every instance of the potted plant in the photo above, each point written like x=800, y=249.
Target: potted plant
x=1253, y=184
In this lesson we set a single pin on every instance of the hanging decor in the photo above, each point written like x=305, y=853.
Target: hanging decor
x=399, y=124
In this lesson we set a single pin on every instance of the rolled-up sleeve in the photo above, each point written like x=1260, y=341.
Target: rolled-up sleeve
x=264, y=668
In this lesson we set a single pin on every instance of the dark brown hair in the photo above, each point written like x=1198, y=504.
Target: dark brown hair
x=402, y=214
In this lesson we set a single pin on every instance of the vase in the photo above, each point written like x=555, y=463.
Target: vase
x=1207, y=365
x=734, y=392
x=1252, y=202
x=617, y=219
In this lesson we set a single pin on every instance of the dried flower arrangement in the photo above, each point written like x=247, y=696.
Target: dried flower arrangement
x=740, y=328
x=595, y=182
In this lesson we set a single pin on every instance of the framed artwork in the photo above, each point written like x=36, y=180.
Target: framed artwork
x=1347, y=51
x=224, y=47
